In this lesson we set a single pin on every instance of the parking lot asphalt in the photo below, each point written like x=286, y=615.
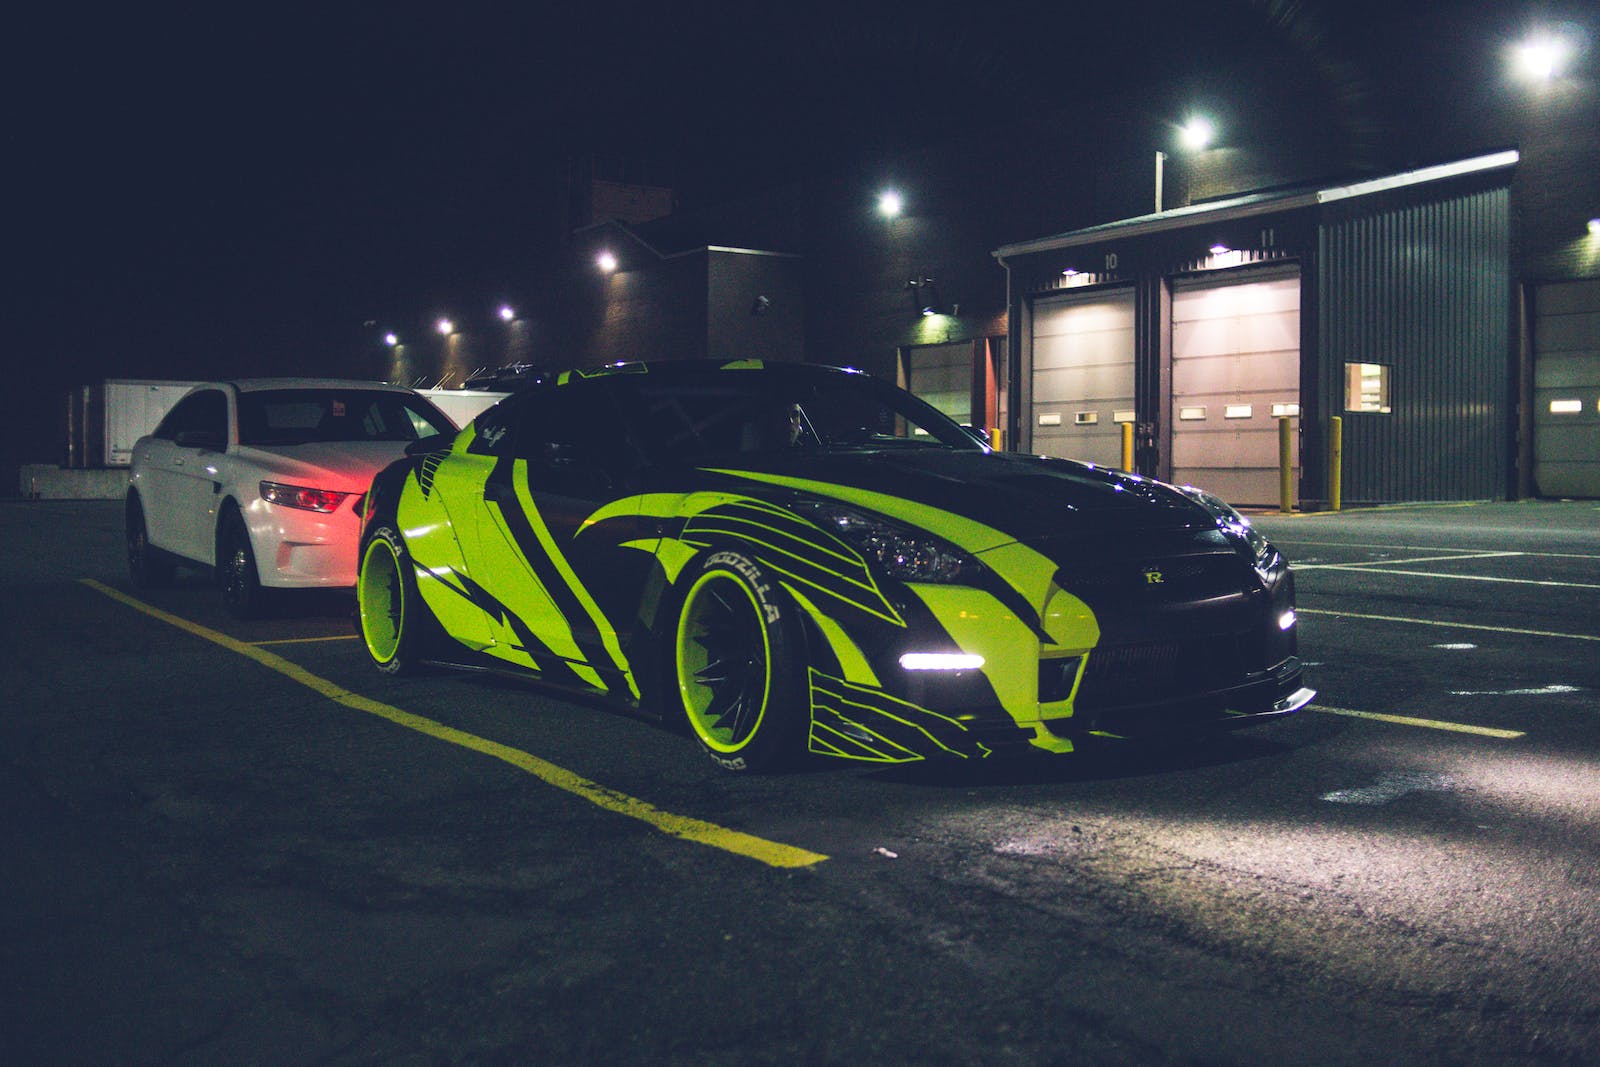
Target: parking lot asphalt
x=234, y=841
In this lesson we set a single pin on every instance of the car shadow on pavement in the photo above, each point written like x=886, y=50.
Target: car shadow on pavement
x=1095, y=760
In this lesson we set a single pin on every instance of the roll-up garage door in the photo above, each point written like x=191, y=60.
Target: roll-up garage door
x=942, y=375
x=1235, y=368
x=1566, y=389
x=1082, y=374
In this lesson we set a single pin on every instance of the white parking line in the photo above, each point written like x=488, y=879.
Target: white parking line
x=1392, y=786
x=1400, y=562
x=1281, y=541
x=1447, y=625
x=1367, y=568
x=1543, y=690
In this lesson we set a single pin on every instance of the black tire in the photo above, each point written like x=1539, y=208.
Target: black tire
x=738, y=665
x=243, y=595
x=148, y=566
x=395, y=625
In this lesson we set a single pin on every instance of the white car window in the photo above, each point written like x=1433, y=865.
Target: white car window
x=279, y=417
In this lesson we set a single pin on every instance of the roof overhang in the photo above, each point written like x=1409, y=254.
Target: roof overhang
x=1257, y=204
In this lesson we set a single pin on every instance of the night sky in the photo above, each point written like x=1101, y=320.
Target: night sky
x=235, y=189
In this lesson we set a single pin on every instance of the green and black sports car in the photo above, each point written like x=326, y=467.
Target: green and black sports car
x=796, y=559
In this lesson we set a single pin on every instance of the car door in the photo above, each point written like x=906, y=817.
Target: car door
x=177, y=484
x=574, y=584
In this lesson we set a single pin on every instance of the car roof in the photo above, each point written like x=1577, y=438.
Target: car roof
x=698, y=368
x=253, y=385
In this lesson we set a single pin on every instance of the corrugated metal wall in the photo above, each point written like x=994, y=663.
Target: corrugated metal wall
x=1422, y=288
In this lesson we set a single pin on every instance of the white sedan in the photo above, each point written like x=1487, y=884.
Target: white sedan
x=263, y=480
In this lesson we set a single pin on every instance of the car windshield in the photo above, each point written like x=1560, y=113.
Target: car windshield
x=301, y=416
x=682, y=414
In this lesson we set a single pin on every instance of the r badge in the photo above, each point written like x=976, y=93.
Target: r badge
x=1153, y=576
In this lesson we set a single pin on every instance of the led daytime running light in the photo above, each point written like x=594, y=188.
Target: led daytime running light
x=941, y=661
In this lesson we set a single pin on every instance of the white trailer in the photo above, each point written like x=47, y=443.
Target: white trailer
x=133, y=407
x=463, y=405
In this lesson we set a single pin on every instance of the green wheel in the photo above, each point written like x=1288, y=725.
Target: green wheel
x=393, y=617
x=737, y=657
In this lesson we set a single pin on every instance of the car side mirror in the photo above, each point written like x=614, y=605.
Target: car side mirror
x=207, y=440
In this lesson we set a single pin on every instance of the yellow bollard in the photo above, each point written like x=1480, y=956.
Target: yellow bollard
x=1285, y=466
x=1127, y=446
x=1335, y=463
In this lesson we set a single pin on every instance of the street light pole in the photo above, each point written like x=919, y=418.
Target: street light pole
x=1161, y=168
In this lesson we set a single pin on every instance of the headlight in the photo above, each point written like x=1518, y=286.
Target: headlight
x=901, y=552
x=1263, y=556
x=298, y=496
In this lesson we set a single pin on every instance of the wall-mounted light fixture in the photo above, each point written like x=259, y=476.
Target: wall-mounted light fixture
x=606, y=261
x=925, y=295
x=890, y=203
x=391, y=339
x=445, y=327
x=507, y=313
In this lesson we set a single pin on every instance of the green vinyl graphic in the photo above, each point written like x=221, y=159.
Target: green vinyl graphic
x=860, y=722
x=921, y=595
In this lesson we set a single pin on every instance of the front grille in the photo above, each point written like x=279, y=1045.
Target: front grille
x=1119, y=675
x=1198, y=577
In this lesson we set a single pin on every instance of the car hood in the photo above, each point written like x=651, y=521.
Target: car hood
x=1032, y=499
x=344, y=466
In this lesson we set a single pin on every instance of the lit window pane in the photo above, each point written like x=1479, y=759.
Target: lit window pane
x=1366, y=388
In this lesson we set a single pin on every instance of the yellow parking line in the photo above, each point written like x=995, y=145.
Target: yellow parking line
x=1448, y=625
x=769, y=852
x=1431, y=724
x=1430, y=505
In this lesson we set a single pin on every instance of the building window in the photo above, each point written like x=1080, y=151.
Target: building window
x=1366, y=388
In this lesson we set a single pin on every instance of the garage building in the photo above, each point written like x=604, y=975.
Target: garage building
x=1388, y=302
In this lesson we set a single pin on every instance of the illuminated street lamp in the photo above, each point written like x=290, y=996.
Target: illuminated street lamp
x=890, y=203
x=1193, y=136
x=1541, y=58
x=606, y=262
x=507, y=313
x=445, y=327
x=391, y=339
x=1196, y=133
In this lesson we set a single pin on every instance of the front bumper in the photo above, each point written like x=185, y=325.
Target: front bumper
x=1269, y=695
x=299, y=549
